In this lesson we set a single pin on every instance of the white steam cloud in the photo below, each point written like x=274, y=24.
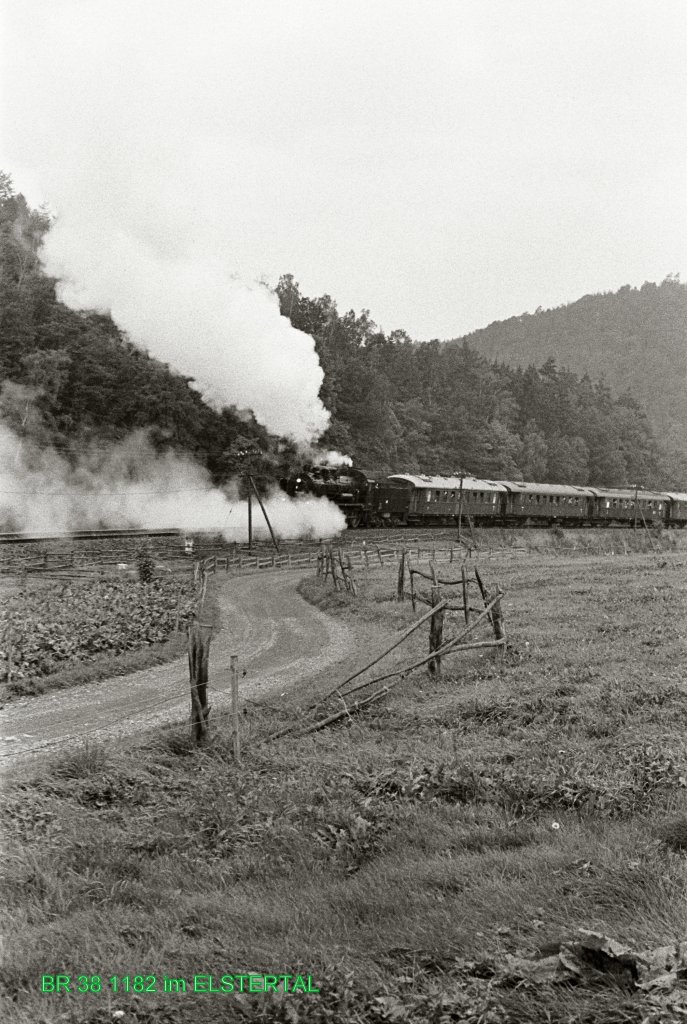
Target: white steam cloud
x=191, y=313
x=130, y=485
x=332, y=458
x=129, y=125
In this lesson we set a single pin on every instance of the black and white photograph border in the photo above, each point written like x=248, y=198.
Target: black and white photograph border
x=343, y=493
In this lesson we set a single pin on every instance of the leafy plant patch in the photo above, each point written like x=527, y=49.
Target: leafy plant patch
x=47, y=628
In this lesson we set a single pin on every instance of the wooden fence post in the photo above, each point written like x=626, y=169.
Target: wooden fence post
x=496, y=614
x=344, y=576
x=466, y=600
x=400, y=590
x=354, y=585
x=235, y=737
x=332, y=563
x=499, y=630
x=198, y=656
x=436, y=626
x=412, y=589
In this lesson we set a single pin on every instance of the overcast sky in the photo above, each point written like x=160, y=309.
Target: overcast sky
x=444, y=163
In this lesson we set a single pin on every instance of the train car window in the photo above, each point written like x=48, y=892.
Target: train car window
x=428, y=495
x=437, y=495
x=453, y=494
x=660, y=506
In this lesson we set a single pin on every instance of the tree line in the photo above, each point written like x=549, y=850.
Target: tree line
x=72, y=379
x=442, y=407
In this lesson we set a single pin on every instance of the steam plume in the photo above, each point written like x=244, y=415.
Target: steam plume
x=121, y=128
x=131, y=485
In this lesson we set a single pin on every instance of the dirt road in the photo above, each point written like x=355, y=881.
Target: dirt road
x=280, y=639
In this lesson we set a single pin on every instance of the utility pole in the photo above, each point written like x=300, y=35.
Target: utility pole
x=460, y=504
x=636, y=505
x=251, y=484
x=250, y=516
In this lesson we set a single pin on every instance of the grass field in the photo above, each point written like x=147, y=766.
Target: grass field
x=400, y=858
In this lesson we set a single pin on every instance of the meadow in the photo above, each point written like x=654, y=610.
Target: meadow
x=409, y=858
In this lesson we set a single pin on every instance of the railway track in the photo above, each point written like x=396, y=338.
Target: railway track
x=374, y=535
x=24, y=538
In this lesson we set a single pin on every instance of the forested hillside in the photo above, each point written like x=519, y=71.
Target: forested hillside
x=397, y=405
x=75, y=382
x=635, y=338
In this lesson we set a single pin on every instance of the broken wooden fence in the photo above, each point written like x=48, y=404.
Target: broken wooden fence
x=439, y=646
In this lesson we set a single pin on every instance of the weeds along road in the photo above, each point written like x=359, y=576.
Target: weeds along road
x=280, y=640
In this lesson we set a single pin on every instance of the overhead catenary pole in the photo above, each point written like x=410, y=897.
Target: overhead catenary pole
x=250, y=517
x=264, y=511
x=460, y=505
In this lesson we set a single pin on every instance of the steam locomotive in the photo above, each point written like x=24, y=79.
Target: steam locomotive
x=352, y=490
x=405, y=499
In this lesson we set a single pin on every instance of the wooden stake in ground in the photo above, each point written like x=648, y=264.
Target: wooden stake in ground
x=198, y=658
x=436, y=625
x=400, y=590
x=466, y=600
x=496, y=614
x=332, y=563
x=354, y=585
x=235, y=737
x=344, y=577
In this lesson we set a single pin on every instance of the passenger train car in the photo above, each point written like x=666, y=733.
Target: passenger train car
x=405, y=499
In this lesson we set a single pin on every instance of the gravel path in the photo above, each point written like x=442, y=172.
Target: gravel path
x=280, y=640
